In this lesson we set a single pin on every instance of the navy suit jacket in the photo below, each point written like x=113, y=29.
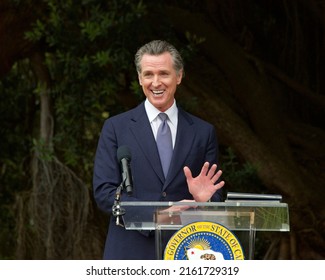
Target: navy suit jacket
x=196, y=143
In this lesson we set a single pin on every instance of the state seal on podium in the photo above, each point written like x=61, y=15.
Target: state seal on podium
x=203, y=241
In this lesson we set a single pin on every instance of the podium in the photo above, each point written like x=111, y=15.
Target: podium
x=243, y=218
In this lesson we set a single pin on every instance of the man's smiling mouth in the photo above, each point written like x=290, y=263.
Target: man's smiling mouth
x=157, y=92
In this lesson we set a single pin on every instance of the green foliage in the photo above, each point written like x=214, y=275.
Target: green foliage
x=239, y=177
x=192, y=47
x=88, y=51
x=44, y=152
x=16, y=114
x=37, y=33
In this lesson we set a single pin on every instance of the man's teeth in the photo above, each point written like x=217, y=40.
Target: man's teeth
x=157, y=91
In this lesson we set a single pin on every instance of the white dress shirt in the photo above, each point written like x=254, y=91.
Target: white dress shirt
x=152, y=113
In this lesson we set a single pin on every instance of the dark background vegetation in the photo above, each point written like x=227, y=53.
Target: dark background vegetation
x=254, y=68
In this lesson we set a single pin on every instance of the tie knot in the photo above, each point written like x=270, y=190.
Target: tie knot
x=163, y=116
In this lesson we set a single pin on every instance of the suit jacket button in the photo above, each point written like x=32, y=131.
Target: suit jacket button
x=164, y=194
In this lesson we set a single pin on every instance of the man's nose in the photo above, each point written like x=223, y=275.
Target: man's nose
x=156, y=81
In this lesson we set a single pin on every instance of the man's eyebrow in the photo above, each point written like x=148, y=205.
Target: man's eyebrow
x=164, y=71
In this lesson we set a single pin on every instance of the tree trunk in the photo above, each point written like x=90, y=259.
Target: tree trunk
x=46, y=116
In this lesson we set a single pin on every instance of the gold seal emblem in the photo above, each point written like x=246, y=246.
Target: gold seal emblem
x=203, y=241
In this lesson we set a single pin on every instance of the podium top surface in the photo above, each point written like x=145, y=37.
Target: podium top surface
x=235, y=215
x=233, y=203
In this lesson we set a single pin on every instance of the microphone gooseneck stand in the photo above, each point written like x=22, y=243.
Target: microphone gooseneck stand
x=117, y=210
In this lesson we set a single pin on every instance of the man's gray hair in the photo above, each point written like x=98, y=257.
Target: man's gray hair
x=158, y=47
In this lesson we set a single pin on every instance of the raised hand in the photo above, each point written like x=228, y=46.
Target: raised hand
x=204, y=185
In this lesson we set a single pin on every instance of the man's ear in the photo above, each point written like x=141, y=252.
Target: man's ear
x=139, y=78
x=179, y=77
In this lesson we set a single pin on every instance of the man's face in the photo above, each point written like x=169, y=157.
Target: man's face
x=159, y=80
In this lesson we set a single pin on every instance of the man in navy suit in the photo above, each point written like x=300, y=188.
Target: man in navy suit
x=193, y=173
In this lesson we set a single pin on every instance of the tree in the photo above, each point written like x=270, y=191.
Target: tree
x=262, y=139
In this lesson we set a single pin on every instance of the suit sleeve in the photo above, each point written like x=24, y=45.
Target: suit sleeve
x=212, y=156
x=107, y=174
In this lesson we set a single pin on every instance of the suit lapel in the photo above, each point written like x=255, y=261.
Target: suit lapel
x=141, y=129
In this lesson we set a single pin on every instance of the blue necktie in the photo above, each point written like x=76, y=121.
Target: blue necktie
x=164, y=143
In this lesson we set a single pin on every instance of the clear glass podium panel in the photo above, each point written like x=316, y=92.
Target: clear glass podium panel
x=243, y=218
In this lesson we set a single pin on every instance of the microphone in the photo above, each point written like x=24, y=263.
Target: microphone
x=124, y=157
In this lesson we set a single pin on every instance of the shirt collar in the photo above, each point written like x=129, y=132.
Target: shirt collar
x=153, y=112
